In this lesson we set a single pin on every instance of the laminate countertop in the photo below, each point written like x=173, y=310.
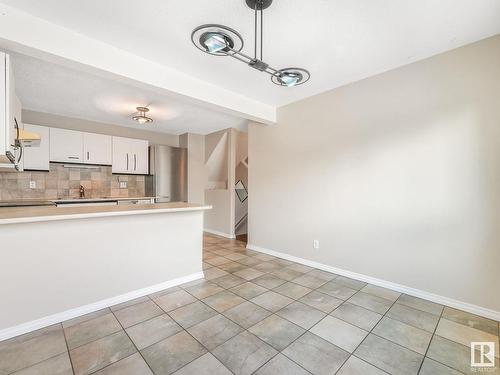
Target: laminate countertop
x=17, y=215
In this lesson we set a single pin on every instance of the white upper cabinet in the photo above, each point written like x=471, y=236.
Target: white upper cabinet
x=97, y=149
x=121, y=155
x=69, y=146
x=140, y=154
x=125, y=155
x=36, y=156
x=66, y=146
x=130, y=156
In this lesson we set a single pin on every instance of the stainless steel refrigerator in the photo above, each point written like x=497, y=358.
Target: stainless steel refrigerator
x=167, y=178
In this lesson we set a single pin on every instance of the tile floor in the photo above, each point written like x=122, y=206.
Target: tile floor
x=256, y=314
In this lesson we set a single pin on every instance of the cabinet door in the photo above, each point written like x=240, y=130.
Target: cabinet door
x=4, y=142
x=121, y=155
x=97, y=149
x=139, y=156
x=36, y=157
x=66, y=146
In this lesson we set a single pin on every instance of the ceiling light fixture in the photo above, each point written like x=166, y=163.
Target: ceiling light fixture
x=219, y=40
x=141, y=117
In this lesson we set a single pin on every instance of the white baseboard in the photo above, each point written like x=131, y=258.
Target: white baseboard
x=23, y=328
x=222, y=234
x=474, y=309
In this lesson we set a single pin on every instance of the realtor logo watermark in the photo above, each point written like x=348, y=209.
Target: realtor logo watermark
x=482, y=356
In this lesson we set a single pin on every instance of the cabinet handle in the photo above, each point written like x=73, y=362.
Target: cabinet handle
x=127, y=162
x=135, y=162
x=73, y=157
x=88, y=155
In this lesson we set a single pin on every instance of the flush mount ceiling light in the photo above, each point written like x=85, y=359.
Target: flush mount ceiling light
x=141, y=117
x=219, y=40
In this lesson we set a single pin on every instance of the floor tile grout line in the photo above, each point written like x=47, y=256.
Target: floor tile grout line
x=270, y=359
x=133, y=343
x=194, y=338
x=430, y=341
x=369, y=333
x=39, y=362
x=186, y=330
x=441, y=363
x=67, y=348
x=99, y=338
x=411, y=325
x=258, y=338
x=294, y=341
x=144, y=321
x=402, y=346
x=86, y=320
x=111, y=364
x=371, y=364
x=222, y=313
x=131, y=305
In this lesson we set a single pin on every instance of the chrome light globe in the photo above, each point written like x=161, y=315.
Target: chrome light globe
x=290, y=77
x=217, y=40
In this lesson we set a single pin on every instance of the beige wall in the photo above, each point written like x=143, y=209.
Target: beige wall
x=397, y=176
x=220, y=219
x=197, y=173
x=55, y=121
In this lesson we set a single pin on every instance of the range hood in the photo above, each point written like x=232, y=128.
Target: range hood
x=26, y=137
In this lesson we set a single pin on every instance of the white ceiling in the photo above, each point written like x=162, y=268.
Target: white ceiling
x=47, y=87
x=339, y=41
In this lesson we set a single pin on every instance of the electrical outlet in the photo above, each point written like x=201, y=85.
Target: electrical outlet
x=316, y=244
x=123, y=184
x=32, y=184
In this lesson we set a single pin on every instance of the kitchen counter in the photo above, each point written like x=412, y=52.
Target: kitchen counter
x=37, y=214
x=100, y=199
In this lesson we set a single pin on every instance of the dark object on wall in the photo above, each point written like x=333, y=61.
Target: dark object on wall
x=241, y=191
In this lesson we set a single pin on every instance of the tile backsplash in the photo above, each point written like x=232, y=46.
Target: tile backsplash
x=63, y=182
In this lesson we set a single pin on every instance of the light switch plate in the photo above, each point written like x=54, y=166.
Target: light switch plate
x=123, y=184
x=32, y=184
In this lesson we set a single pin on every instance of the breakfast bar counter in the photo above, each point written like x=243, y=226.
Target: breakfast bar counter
x=51, y=213
x=58, y=263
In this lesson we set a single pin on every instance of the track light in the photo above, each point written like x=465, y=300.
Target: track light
x=219, y=40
